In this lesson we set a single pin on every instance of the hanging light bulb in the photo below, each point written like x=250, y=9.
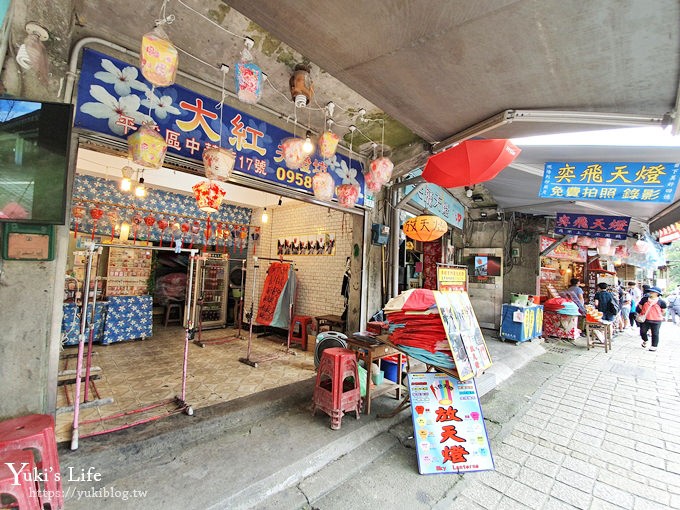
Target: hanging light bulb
x=265, y=216
x=140, y=189
x=308, y=146
x=126, y=182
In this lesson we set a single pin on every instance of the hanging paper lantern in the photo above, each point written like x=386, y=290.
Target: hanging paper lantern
x=96, y=214
x=162, y=225
x=249, y=79
x=147, y=147
x=149, y=220
x=323, y=186
x=78, y=212
x=293, y=152
x=158, y=58
x=113, y=216
x=218, y=163
x=380, y=171
x=348, y=194
x=425, y=228
x=371, y=184
x=208, y=196
x=604, y=241
x=328, y=143
x=641, y=246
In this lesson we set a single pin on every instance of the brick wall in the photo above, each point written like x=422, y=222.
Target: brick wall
x=319, y=276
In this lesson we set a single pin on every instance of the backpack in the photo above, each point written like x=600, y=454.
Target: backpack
x=613, y=307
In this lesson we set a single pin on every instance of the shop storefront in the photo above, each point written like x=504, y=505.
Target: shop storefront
x=146, y=221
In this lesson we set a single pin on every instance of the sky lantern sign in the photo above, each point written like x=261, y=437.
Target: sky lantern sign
x=425, y=228
x=631, y=182
x=592, y=225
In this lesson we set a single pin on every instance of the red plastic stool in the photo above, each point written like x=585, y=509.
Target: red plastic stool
x=36, y=432
x=334, y=392
x=25, y=494
x=304, y=321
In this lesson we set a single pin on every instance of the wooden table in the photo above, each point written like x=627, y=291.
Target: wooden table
x=331, y=321
x=369, y=352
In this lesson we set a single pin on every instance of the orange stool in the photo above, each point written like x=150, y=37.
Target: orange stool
x=304, y=321
x=36, y=432
x=334, y=392
x=25, y=493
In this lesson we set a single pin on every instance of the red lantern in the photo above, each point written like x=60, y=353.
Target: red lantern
x=195, y=229
x=147, y=147
x=323, y=184
x=293, y=152
x=96, y=214
x=158, y=58
x=78, y=212
x=348, y=194
x=328, y=144
x=425, y=228
x=137, y=220
x=243, y=234
x=149, y=221
x=162, y=225
x=218, y=163
x=208, y=196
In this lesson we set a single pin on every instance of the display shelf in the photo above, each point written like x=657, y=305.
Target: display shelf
x=128, y=272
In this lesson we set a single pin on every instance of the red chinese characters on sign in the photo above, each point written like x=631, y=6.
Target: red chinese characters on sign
x=591, y=225
x=453, y=454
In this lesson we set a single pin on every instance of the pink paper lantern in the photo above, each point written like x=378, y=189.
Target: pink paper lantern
x=208, y=196
x=348, y=194
x=381, y=170
x=218, y=163
x=371, y=184
x=293, y=152
x=249, y=81
x=147, y=147
x=158, y=58
x=323, y=186
x=328, y=144
x=604, y=241
x=641, y=246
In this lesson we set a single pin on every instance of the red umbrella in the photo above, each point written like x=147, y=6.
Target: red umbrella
x=470, y=162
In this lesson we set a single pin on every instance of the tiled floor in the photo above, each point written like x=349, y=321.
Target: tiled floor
x=141, y=373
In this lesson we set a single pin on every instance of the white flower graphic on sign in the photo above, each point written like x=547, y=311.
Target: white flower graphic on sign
x=160, y=105
x=108, y=107
x=123, y=81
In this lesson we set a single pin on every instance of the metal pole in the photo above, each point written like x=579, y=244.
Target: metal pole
x=247, y=360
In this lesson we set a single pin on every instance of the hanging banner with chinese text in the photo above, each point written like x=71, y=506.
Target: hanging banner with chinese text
x=438, y=201
x=277, y=296
x=114, y=99
x=631, y=182
x=448, y=425
x=592, y=225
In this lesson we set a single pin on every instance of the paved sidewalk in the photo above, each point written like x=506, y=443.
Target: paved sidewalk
x=603, y=433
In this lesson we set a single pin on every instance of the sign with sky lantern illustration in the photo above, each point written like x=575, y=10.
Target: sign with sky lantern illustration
x=629, y=182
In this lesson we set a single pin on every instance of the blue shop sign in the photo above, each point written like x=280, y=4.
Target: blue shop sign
x=592, y=225
x=438, y=202
x=630, y=182
x=115, y=99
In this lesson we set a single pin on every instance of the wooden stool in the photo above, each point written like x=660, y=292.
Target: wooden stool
x=36, y=432
x=334, y=392
x=599, y=334
x=177, y=306
x=304, y=321
x=25, y=493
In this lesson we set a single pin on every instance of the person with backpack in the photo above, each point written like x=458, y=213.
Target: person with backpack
x=651, y=312
x=605, y=303
x=674, y=306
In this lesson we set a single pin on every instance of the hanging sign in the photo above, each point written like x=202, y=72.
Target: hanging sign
x=631, y=182
x=277, y=294
x=592, y=225
x=115, y=99
x=438, y=201
x=448, y=425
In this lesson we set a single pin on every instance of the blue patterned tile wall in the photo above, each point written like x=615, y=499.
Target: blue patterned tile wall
x=128, y=317
x=89, y=190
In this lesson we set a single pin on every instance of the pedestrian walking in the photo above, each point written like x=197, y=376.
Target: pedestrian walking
x=626, y=305
x=636, y=295
x=674, y=306
x=605, y=303
x=651, y=312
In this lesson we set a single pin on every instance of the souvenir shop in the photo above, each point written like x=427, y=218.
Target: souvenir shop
x=169, y=246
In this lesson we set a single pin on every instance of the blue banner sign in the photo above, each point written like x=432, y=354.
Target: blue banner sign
x=115, y=99
x=592, y=225
x=438, y=202
x=630, y=182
